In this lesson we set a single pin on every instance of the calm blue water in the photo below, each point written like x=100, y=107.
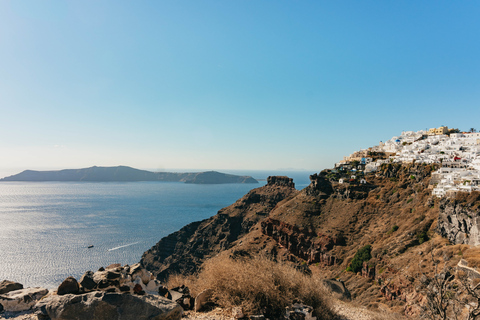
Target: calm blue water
x=45, y=228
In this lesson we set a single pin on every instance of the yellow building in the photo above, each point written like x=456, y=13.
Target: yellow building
x=436, y=131
x=441, y=130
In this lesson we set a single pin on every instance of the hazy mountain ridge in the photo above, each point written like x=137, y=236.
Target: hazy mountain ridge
x=127, y=174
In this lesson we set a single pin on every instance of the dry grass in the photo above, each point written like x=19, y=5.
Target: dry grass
x=258, y=285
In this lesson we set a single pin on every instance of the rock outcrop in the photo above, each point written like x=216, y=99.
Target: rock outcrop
x=337, y=289
x=185, y=250
x=114, y=278
x=106, y=306
x=459, y=218
x=7, y=286
x=304, y=244
x=22, y=299
x=69, y=285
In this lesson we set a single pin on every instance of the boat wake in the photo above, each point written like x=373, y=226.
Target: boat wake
x=126, y=245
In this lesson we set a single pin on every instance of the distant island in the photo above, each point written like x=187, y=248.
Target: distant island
x=128, y=174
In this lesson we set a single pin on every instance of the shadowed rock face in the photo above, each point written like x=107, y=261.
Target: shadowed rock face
x=304, y=244
x=459, y=219
x=184, y=251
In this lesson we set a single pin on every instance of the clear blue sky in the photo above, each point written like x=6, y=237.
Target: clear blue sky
x=229, y=84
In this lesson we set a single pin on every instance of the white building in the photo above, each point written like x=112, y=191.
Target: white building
x=459, y=154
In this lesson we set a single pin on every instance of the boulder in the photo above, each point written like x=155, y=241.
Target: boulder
x=202, y=298
x=113, y=266
x=237, y=313
x=153, y=285
x=138, y=289
x=337, y=289
x=137, y=270
x=163, y=291
x=181, y=295
x=107, y=279
x=175, y=295
x=22, y=299
x=299, y=311
x=7, y=286
x=106, y=306
x=69, y=285
x=87, y=282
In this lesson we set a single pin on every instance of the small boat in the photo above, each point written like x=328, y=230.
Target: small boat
x=90, y=246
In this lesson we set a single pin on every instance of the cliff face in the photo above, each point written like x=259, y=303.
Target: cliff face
x=459, y=219
x=185, y=250
x=324, y=226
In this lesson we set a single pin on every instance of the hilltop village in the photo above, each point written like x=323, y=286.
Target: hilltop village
x=457, y=153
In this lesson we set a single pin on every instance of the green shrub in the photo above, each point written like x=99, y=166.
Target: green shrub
x=394, y=228
x=422, y=237
x=363, y=254
x=409, y=200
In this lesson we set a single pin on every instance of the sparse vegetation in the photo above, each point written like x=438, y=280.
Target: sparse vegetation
x=419, y=219
x=422, y=237
x=363, y=254
x=394, y=228
x=449, y=294
x=258, y=285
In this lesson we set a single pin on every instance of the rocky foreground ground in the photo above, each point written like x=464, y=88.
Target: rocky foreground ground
x=131, y=292
x=344, y=310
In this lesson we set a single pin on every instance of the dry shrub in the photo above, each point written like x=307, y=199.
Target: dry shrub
x=472, y=256
x=259, y=285
x=468, y=198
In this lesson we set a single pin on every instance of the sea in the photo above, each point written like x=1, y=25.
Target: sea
x=46, y=228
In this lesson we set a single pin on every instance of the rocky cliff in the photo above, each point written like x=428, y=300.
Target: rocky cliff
x=324, y=226
x=459, y=218
x=185, y=250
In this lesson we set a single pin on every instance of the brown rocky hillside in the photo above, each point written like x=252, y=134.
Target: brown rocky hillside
x=322, y=227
